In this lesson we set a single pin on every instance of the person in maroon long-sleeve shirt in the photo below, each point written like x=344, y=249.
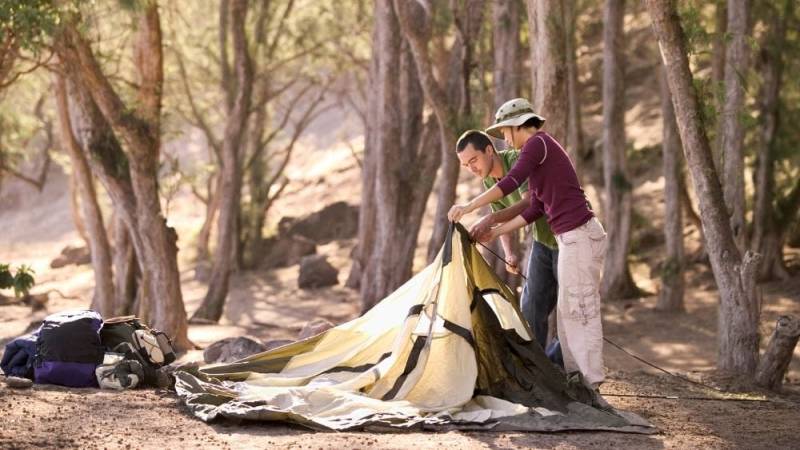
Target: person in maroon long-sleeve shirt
x=557, y=194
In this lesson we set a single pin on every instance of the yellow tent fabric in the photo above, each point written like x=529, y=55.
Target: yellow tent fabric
x=448, y=349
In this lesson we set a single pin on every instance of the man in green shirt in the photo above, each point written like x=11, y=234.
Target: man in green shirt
x=540, y=293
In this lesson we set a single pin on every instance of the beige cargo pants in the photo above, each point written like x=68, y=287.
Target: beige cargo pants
x=581, y=252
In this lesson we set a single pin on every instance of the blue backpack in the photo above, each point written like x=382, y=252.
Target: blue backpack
x=68, y=349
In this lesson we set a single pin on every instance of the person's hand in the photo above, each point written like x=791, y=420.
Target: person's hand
x=458, y=211
x=512, y=264
x=481, y=227
x=487, y=237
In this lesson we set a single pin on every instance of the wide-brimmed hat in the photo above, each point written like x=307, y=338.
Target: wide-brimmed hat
x=512, y=113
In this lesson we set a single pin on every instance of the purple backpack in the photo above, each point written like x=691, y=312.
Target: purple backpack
x=68, y=349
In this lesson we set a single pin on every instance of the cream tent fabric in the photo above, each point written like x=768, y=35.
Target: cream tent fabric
x=448, y=349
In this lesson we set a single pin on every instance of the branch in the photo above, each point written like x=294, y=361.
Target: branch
x=198, y=116
x=409, y=13
x=279, y=32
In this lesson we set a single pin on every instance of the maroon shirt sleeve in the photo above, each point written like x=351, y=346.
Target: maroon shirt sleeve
x=530, y=157
x=534, y=211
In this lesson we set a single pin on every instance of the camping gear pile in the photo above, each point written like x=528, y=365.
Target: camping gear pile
x=78, y=349
x=447, y=350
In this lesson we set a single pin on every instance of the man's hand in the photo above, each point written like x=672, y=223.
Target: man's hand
x=458, y=211
x=481, y=227
x=512, y=264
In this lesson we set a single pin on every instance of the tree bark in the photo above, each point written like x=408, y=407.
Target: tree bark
x=204, y=236
x=718, y=73
x=617, y=282
x=735, y=276
x=505, y=33
x=231, y=172
x=75, y=209
x=574, y=124
x=775, y=362
x=671, y=295
x=406, y=174
x=126, y=268
x=368, y=208
x=162, y=302
x=100, y=250
x=732, y=137
x=547, y=34
x=768, y=236
x=506, y=77
x=449, y=98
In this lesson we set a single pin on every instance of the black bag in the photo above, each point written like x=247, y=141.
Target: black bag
x=151, y=348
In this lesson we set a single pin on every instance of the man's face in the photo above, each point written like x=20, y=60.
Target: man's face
x=478, y=162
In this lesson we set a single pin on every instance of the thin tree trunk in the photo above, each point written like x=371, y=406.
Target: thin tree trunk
x=732, y=137
x=125, y=268
x=768, y=237
x=506, y=77
x=162, y=302
x=204, y=236
x=735, y=276
x=671, y=295
x=505, y=32
x=718, y=73
x=368, y=207
x=574, y=125
x=547, y=34
x=454, y=90
x=100, y=250
x=75, y=209
x=400, y=191
x=617, y=282
x=231, y=173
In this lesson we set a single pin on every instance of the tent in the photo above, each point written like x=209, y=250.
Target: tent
x=447, y=350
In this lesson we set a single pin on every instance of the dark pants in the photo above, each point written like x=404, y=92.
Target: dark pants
x=540, y=293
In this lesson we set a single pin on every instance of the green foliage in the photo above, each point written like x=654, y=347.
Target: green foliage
x=31, y=22
x=21, y=281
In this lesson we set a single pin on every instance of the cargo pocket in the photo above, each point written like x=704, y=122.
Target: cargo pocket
x=584, y=302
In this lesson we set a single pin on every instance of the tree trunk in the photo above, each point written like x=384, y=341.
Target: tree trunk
x=231, y=173
x=718, y=73
x=547, y=34
x=506, y=77
x=75, y=209
x=617, y=282
x=732, y=137
x=775, y=362
x=671, y=295
x=126, y=268
x=505, y=32
x=406, y=174
x=100, y=250
x=768, y=236
x=453, y=90
x=204, y=236
x=368, y=208
x=162, y=302
x=574, y=124
x=735, y=276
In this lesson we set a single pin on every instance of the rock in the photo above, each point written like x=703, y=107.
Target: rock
x=276, y=343
x=286, y=251
x=18, y=382
x=336, y=221
x=232, y=349
x=314, y=328
x=71, y=255
x=315, y=272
